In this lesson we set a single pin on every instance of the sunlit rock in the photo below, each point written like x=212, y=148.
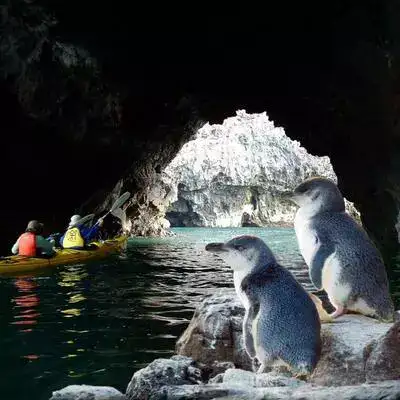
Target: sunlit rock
x=234, y=174
x=87, y=392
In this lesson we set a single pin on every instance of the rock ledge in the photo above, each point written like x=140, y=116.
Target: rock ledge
x=360, y=360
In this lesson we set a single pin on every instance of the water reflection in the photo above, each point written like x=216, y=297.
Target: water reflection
x=70, y=277
x=25, y=304
x=73, y=281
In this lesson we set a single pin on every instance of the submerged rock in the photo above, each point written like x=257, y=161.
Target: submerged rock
x=86, y=392
x=355, y=348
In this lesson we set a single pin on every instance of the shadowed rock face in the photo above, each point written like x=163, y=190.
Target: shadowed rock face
x=142, y=81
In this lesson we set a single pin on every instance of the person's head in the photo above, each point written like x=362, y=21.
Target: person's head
x=74, y=219
x=35, y=227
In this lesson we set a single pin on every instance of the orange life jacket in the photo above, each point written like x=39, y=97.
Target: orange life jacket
x=27, y=244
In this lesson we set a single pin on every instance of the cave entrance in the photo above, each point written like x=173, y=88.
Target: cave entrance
x=234, y=174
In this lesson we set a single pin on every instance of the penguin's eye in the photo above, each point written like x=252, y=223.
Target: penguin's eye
x=239, y=247
x=302, y=189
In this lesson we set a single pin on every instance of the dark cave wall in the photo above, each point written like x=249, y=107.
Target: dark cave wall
x=328, y=73
x=68, y=133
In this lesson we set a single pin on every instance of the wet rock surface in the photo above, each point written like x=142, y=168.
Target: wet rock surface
x=86, y=392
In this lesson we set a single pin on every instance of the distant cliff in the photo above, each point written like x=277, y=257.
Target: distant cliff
x=234, y=174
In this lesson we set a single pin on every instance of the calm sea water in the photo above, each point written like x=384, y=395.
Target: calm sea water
x=99, y=323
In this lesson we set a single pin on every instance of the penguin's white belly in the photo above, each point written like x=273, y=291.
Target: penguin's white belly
x=338, y=292
x=237, y=279
x=305, y=238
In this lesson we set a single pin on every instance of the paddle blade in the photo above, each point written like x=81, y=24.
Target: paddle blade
x=120, y=214
x=120, y=201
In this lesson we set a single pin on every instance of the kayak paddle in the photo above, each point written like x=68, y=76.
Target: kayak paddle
x=120, y=214
x=117, y=204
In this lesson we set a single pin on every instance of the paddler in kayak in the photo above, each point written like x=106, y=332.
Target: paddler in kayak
x=78, y=236
x=32, y=243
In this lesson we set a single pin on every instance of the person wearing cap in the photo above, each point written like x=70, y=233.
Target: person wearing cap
x=32, y=244
x=78, y=236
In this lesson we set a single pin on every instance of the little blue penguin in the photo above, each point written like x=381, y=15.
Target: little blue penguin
x=342, y=259
x=281, y=323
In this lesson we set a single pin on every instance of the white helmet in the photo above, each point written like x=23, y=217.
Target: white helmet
x=74, y=219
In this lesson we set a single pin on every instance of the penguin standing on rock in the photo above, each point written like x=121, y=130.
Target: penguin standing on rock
x=341, y=258
x=281, y=323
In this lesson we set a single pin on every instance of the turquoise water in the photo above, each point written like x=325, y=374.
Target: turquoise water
x=98, y=323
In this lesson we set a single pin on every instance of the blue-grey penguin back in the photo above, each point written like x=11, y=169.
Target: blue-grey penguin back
x=362, y=265
x=288, y=325
x=341, y=257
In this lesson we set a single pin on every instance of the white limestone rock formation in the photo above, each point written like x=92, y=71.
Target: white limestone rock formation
x=234, y=174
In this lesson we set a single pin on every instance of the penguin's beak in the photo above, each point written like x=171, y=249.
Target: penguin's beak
x=216, y=247
x=288, y=195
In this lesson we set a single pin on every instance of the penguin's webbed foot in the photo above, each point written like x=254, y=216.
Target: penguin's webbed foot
x=302, y=371
x=324, y=317
x=340, y=310
x=255, y=364
x=261, y=368
x=301, y=376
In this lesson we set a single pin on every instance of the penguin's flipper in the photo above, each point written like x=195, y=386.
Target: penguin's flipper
x=325, y=249
x=251, y=314
x=247, y=332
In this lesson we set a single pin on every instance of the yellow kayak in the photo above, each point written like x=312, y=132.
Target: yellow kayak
x=13, y=264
